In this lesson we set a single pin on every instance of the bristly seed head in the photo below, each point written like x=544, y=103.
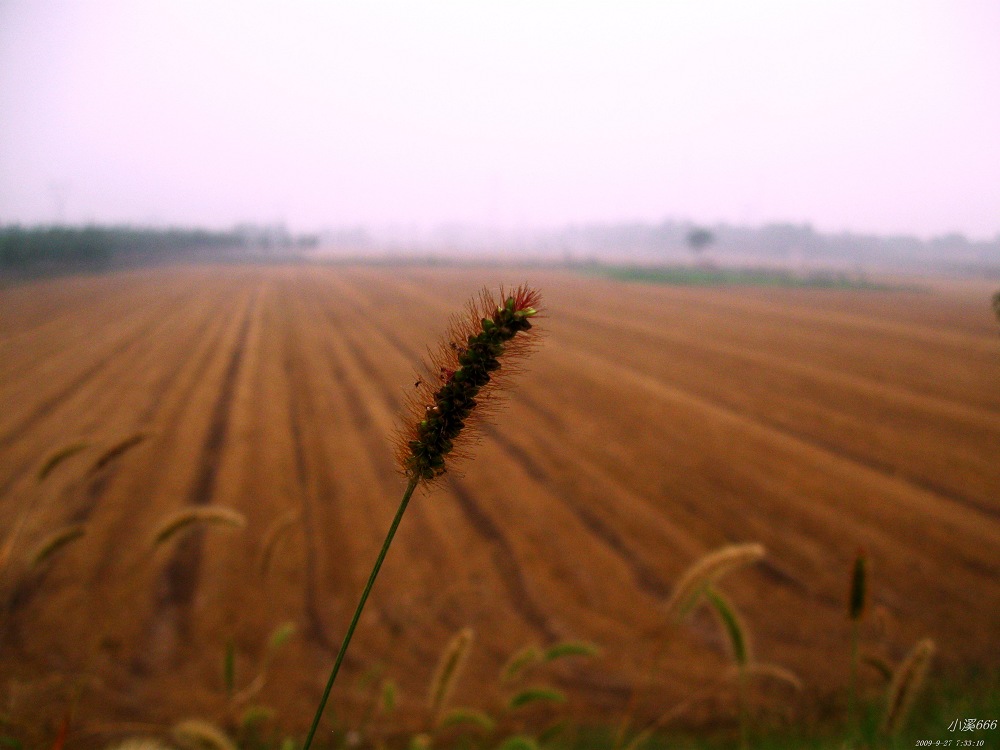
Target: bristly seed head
x=462, y=378
x=859, y=580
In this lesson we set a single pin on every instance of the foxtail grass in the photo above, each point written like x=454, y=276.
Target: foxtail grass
x=535, y=695
x=879, y=664
x=140, y=743
x=273, y=537
x=732, y=623
x=279, y=637
x=570, y=648
x=198, y=734
x=767, y=671
x=176, y=522
x=55, y=542
x=706, y=571
x=521, y=661
x=449, y=669
x=468, y=717
x=116, y=451
x=455, y=390
x=686, y=594
x=906, y=683
x=49, y=464
x=739, y=644
x=229, y=667
x=856, y=601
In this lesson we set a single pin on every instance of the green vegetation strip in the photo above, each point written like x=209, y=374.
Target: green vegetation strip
x=695, y=276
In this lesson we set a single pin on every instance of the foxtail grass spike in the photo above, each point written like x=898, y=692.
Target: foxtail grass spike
x=198, y=734
x=175, y=522
x=859, y=582
x=462, y=378
x=273, y=536
x=906, y=683
x=879, y=664
x=139, y=743
x=706, y=571
x=459, y=386
x=448, y=671
x=855, y=609
x=766, y=671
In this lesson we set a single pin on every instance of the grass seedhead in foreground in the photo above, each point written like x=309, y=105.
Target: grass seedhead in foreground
x=55, y=542
x=198, y=734
x=458, y=727
x=687, y=593
x=273, y=536
x=736, y=632
x=182, y=519
x=140, y=743
x=706, y=571
x=448, y=670
x=458, y=386
x=462, y=380
x=906, y=683
x=855, y=610
x=49, y=464
x=115, y=451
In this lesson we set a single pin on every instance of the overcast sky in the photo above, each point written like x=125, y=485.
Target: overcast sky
x=871, y=116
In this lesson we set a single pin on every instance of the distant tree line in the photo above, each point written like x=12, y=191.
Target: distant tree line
x=31, y=249
x=781, y=242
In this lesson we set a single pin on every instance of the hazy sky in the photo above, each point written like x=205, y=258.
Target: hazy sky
x=869, y=116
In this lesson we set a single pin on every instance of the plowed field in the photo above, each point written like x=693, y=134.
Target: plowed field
x=655, y=424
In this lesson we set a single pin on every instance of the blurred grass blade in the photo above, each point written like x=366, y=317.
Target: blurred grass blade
x=570, y=648
x=470, y=716
x=175, y=522
x=732, y=623
x=519, y=742
x=879, y=664
x=704, y=572
x=229, y=667
x=115, y=451
x=281, y=635
x=519, y=662
x=55, y=542
x=536, y=695
x=198, y=734
x=389, y=691
x=448, y=670
x=272, y=538
x=49, y=465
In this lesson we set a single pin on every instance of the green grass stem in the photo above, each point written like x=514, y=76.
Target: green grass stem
x=357, y=612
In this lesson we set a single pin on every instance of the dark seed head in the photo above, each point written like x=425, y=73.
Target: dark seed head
x=470, y=362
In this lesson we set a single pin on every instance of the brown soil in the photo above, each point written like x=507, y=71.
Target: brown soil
x=654, y=425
